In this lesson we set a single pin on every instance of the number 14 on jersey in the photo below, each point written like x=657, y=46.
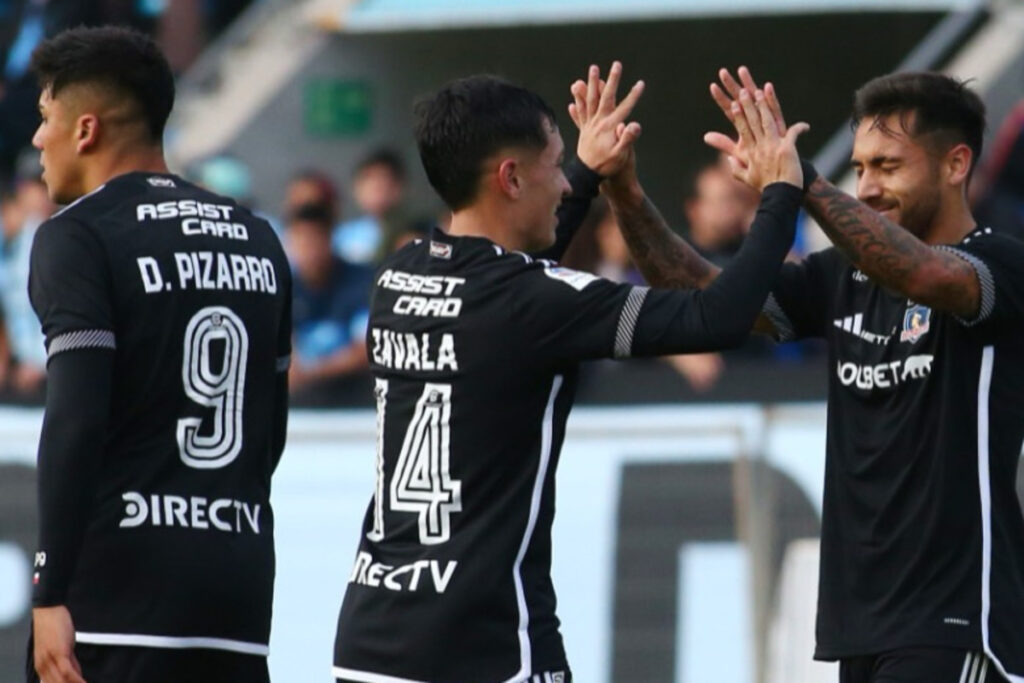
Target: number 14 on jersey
x=421, y=482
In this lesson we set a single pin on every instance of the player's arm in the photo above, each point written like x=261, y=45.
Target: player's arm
x=892, y=256
x=70, y=291
x=604, y=319
x=605, y=145
x=722, y=314
x=665, y=259
x=882, y=250
x=569, y=316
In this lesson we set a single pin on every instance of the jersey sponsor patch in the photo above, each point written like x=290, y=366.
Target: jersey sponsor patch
x=157, y=181
x=576, y=279
x=852, y=324
x=885, y=375
x=916, y=322
x=441, y=250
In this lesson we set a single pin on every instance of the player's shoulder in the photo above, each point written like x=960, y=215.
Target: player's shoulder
x=987, y=240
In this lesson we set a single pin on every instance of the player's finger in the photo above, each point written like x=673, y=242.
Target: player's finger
x=722, y=100
x=747, y=79
x=775, y=106
x=625, y=107
x=611, y=87
x=736, y=167
x=752, y=120
x=729, y=83
x=629, y=135
x=723, y=143
x=575, y=115
x=593, y=76
x=795, y=131
x=68, y=672
x=579, y=96
x=767, y=118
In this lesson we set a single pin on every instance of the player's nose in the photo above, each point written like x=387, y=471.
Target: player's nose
x=868, y=186
x=566, y=187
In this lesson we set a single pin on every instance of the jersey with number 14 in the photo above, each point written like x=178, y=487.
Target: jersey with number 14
x=474, y=351
x=191, y=292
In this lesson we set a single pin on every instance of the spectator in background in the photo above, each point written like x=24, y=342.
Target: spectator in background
x=378, y=188
x=24, y=210
x=329, y=308
x=312, y=186
x=997, y=191
x=719, y=210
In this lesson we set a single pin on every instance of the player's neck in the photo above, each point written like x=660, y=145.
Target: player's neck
x=482, y=220
x=114, y=164
x=952, y=223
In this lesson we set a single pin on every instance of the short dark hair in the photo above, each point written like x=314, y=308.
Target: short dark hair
x=467, y=121
x=388, y=158
x=122, y=59
x=315, y=213
x=943, y=108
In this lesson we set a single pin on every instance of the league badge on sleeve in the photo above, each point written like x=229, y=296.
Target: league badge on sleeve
x=576, y=279
x=916, y=322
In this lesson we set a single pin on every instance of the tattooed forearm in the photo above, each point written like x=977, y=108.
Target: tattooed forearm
x=664, y=258
x=890, y=255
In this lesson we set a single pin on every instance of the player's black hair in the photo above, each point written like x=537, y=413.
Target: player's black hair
x=315, y=213
x=126, y=61
x=386, y=157
x=466, y=122
x=930, y=105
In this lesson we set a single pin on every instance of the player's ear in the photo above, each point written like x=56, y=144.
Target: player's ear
x=508, y=178
x=958, y=164
x=87, y=133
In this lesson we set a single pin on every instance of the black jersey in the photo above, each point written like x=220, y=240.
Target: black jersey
x=475, y=353
x=191, y=293
x=922, y=535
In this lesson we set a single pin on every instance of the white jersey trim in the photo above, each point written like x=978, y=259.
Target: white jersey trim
x=172, y=642
x=367, y=676
x=525, y=651
x=985, y=489
x=77, y=201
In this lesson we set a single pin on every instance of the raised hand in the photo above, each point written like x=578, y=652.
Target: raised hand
x=606, y=138
x=732, y=87
x=764, y=151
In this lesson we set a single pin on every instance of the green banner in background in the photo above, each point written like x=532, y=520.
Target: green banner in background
x=337, y=108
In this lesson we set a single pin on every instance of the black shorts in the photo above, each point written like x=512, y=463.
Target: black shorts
x=126, y=664
x=920, y=665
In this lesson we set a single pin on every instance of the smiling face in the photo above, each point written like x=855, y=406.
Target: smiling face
x=897, y=175
x=543, y=186
x=57, y=139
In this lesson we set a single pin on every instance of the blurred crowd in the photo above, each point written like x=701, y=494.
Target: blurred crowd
x=334, y=258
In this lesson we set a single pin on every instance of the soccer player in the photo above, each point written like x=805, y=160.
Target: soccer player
x=474, y=346
x=922, y=550
x=167, y=321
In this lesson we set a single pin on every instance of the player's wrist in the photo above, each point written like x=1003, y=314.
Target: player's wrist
x=624, y=190
x=584, y=180
x=810, y=173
